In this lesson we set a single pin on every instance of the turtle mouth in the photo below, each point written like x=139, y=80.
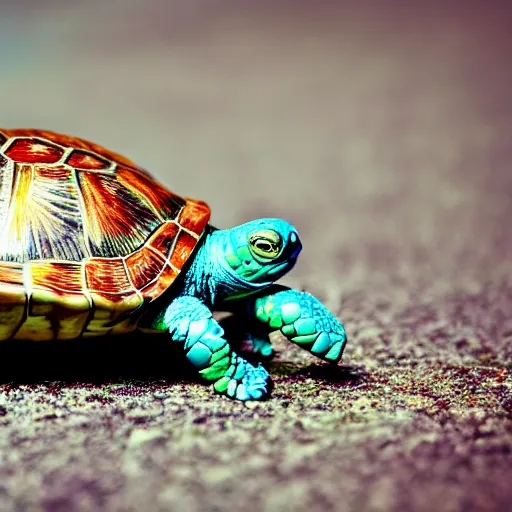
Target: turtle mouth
x=268, y=274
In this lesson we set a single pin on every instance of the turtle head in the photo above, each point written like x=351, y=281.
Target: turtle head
x=261, y=251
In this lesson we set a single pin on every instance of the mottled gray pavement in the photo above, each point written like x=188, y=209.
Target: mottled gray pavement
x=384, y=134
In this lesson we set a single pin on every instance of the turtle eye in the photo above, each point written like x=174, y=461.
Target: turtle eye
x=266, y=244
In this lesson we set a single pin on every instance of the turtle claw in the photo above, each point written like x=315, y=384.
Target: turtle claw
x=243, y=381
x=334, y=350
x=323, y=344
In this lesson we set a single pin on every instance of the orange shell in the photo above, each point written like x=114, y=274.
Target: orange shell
x=86, y=237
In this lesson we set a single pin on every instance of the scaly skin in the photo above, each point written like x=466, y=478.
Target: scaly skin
x=190, y=322
x=304, y=320
x=235, y=269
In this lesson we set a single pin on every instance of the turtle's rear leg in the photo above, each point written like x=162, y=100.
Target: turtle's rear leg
x=247, y=333
x=190, y=322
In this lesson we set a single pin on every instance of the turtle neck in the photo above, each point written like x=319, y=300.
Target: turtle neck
x=209, y=277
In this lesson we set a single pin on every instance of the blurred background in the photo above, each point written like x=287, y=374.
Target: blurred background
x=381, y=129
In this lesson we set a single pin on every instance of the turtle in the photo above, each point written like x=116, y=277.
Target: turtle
x=91, y=244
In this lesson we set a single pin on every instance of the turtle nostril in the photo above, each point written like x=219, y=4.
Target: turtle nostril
x=295, y=245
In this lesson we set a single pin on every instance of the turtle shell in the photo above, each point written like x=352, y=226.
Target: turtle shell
x=86, y=237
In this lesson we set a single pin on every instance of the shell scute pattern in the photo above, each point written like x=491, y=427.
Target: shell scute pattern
x=86, y=161
x=32, y=150
x=59, y=277
x=86, y=237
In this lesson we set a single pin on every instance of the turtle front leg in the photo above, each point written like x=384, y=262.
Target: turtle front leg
x=302, y=319
x=190, y=322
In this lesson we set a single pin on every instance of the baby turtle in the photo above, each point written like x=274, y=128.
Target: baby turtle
x=90, y=245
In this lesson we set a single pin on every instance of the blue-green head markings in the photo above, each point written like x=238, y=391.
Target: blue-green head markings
x=233, y=263
x=261, y=251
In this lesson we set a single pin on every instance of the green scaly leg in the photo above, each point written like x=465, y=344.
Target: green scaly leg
x=260, y=344
x=190, y=322
x=255, y=342
x=303, y=319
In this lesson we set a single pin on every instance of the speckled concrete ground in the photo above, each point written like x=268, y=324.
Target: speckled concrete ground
x=384, y=135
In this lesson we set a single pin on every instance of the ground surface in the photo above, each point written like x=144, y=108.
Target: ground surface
x=384, y=135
